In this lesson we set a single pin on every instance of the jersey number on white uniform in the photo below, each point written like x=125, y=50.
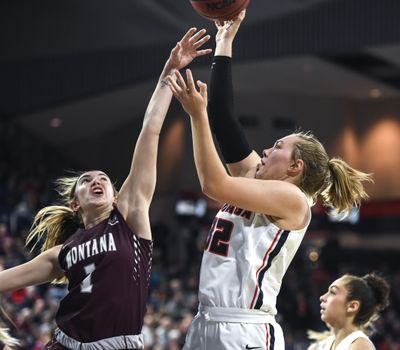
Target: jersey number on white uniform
x=219, y=236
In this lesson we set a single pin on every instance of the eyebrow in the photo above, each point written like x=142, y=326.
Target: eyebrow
x=84, y=176
x=334, y=287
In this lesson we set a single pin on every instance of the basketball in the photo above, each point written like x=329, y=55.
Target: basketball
x=221, y=10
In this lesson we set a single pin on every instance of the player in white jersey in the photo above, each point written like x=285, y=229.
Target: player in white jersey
x=256, y=250
x=256, y=234
x=349, y=307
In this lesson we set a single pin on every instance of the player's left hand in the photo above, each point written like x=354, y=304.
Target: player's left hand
x=193, y=101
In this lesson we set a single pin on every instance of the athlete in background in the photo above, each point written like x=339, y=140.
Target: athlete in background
x=349, y=308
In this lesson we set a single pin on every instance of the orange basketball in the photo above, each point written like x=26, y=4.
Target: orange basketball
x=219, y=9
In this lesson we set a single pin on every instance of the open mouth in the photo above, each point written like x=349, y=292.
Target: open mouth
x=98, y=191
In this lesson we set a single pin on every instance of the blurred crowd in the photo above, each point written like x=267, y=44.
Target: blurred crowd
x=27, y=169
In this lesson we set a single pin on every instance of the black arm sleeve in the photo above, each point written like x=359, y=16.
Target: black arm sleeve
x=227, y=129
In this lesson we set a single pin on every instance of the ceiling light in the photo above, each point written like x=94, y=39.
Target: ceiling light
x=375, y=93
x=55, y=122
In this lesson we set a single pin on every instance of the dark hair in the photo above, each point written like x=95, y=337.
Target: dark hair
x=373, y=293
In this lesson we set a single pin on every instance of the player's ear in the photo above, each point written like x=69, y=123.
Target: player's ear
x=74, y=205
x=353, y=306
x=296, y=167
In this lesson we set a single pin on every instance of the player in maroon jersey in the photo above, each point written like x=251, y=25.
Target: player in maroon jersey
x=100, y=240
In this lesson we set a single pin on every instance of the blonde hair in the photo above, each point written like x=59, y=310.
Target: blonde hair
x=333, y=180
x=318, y=336
x=56, y=223
x=6, y=338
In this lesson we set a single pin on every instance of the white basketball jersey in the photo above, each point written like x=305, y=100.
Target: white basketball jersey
x=344, y=344
x=245, y=259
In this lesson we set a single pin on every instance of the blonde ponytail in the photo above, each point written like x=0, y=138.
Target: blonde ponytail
x=333, y=180
x=318, y=336
x=56, y=223
x=344, y=188
x=6, y=338
x=53, y=225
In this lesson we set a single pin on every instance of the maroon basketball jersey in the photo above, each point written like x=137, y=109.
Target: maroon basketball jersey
x=108, y=269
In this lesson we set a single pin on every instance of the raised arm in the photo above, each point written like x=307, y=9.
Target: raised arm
x=282, y=200
x=138, y=189
x=227, y=129
x=44, y=268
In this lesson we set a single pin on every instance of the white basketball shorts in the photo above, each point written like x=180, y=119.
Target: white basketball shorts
x=233, y=329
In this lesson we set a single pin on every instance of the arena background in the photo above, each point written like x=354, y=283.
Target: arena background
x=75, y=79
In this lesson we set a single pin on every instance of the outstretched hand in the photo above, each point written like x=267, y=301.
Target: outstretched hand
x=193, y=101
x=187, y=49
x=227, y=29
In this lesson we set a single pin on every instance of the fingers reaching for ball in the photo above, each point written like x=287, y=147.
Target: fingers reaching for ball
x=193, y=100
x=228, y=23
x=226, y=33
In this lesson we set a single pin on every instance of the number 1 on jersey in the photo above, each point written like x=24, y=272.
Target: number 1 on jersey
x=86, y=285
